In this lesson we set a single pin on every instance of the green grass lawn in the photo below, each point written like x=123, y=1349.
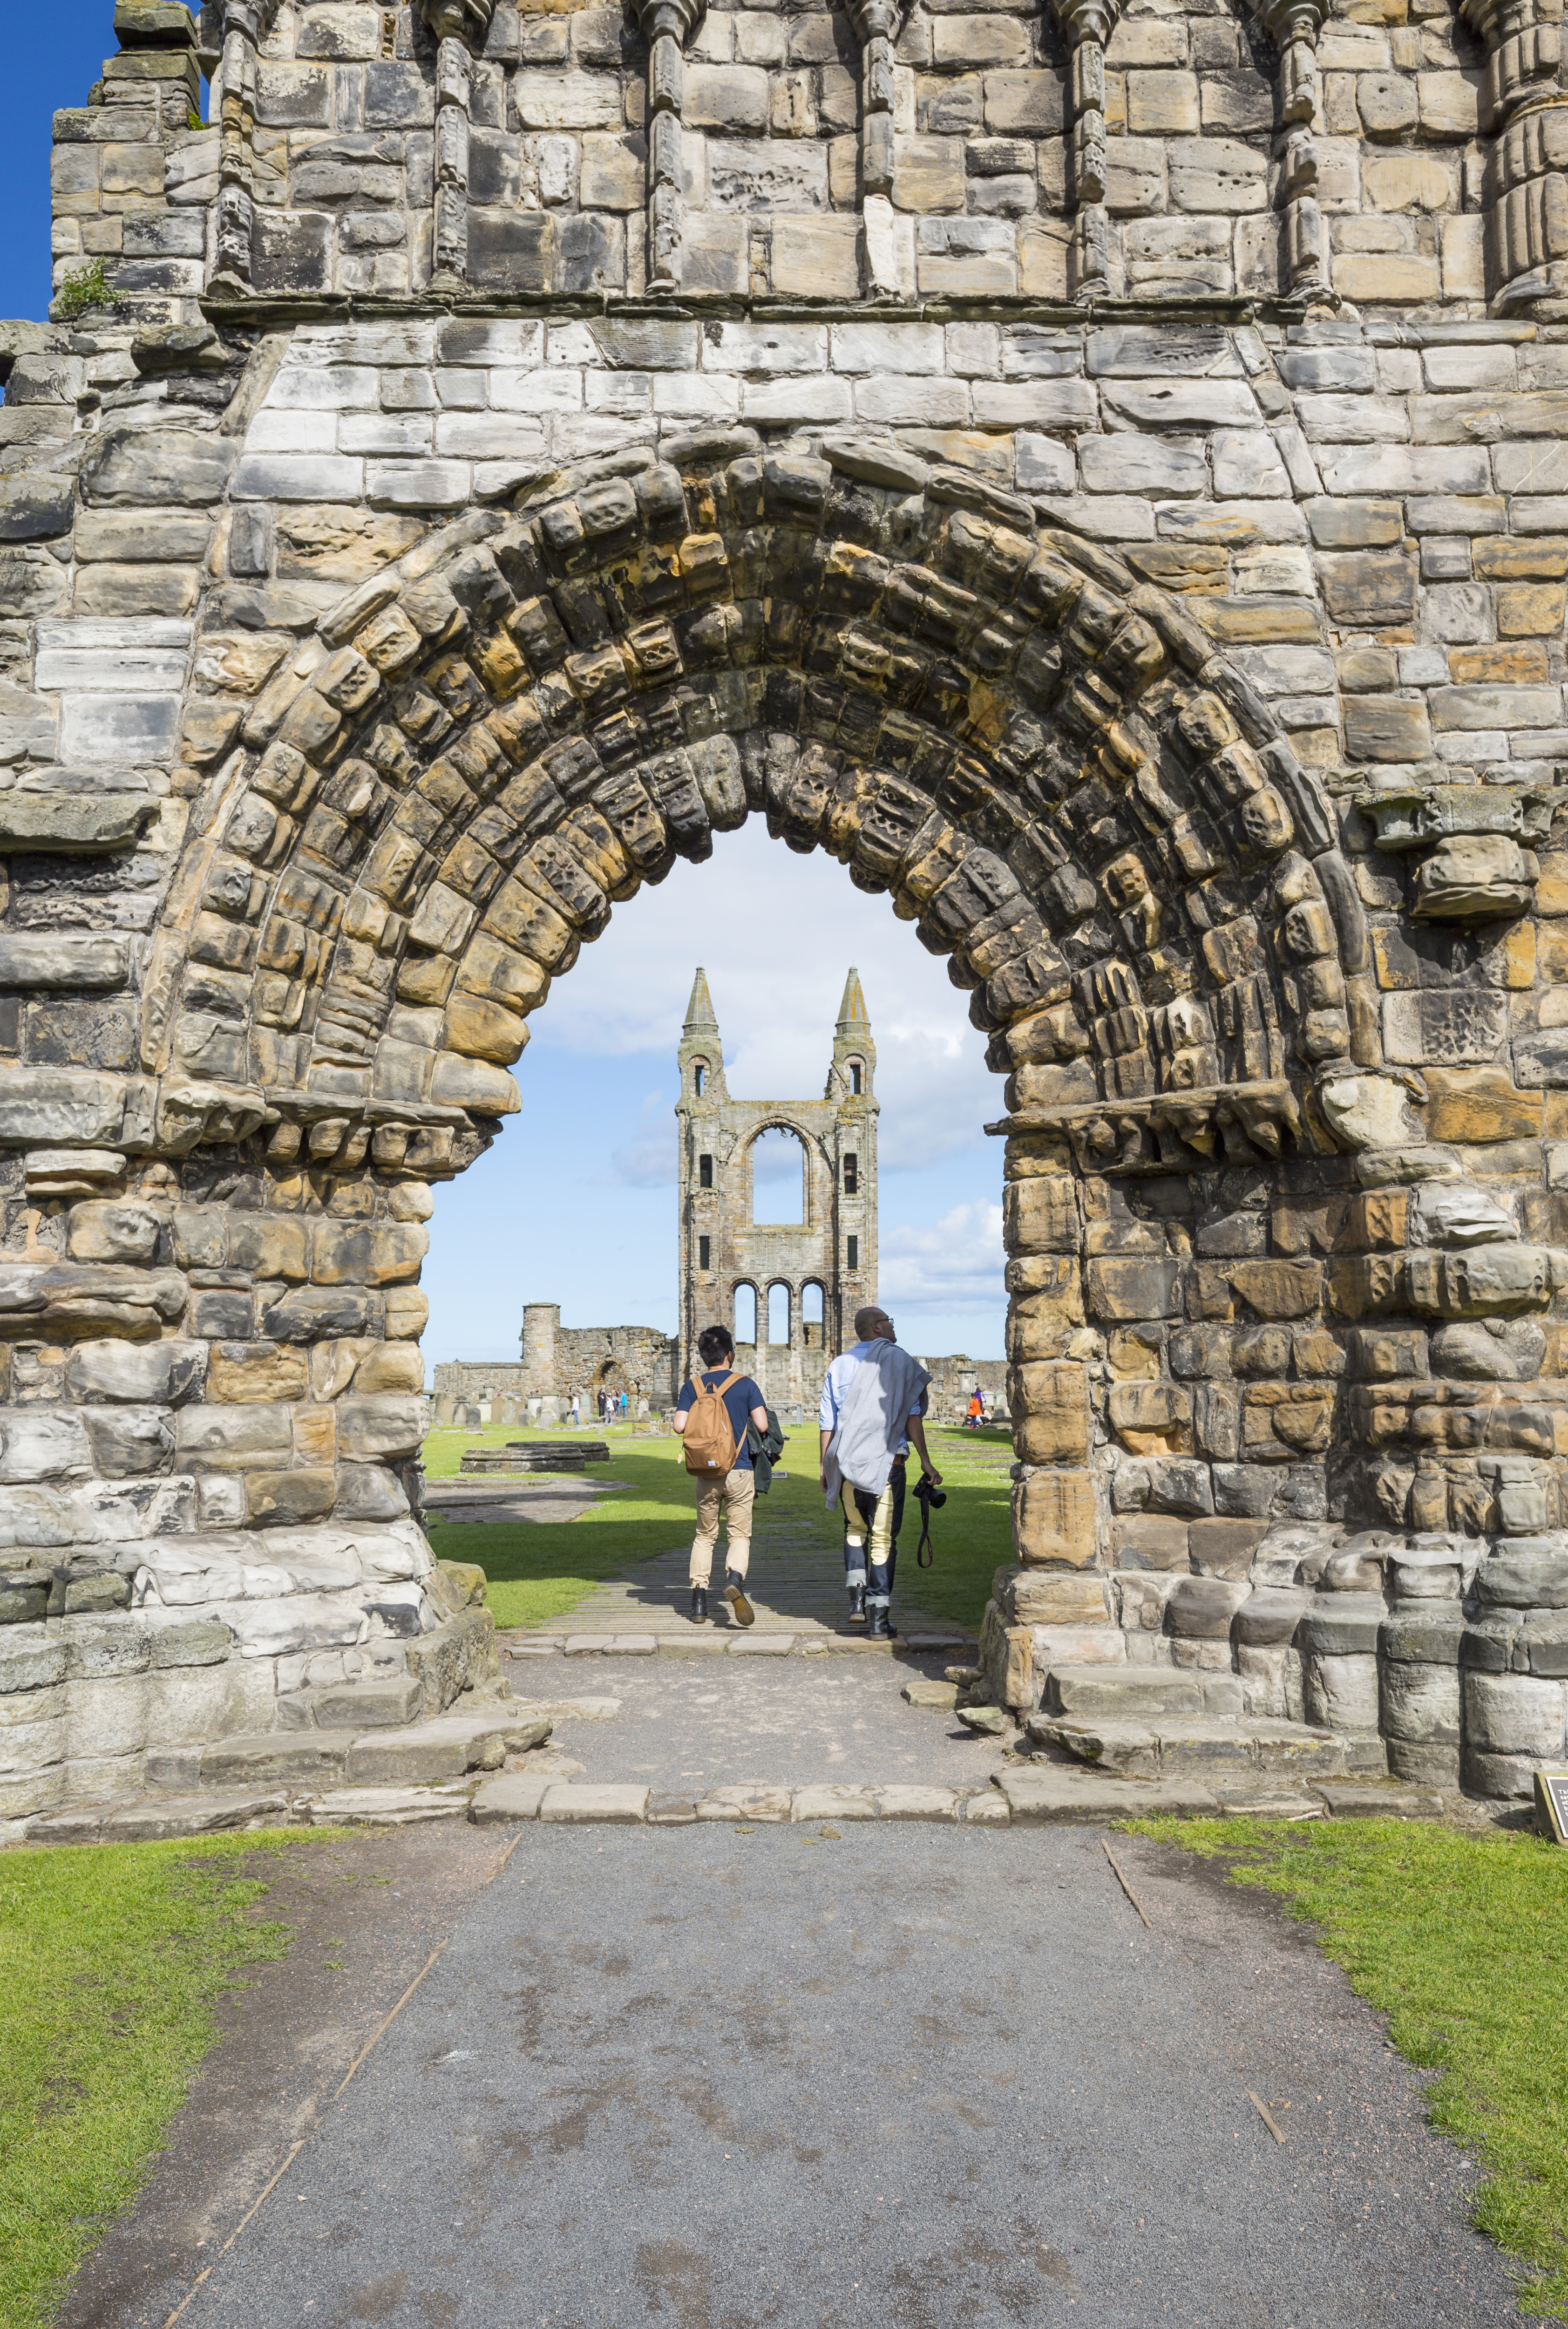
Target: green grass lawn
x=1459, y=1939
x=110, y=1962
x=538, y=1571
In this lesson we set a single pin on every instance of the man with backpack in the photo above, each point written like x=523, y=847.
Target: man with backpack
x=712, y=1415
x=873, y=1405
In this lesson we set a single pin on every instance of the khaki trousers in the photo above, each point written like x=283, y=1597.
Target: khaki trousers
x=731, y=1496
x=881, y=1520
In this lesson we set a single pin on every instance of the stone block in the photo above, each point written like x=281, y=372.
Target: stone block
x=1511, y=1714
x=1481, y=1105
x=269, y=1245
x=1200, y=1608
x=1152, y=1543
x=903, y=1802
x=273, y=1759
x=1421, y=1703
x=1224, y=1548
x=1054, y=1518
x=509, y=1796
x=1050, y=1411
x=1387, y=728
x=1341, y=1692
x=1059, y=1596
x=1146, y=1286
x=1040, y=1215
x=1151, y=1418
x=244, y=1373
x=1505, y=708
x=1162, y=104
x=1369, y=588
x=733, y=99
x=1440, y=1029
x=580, y=1804
x=142, y=466
x=1031, y=104
x=379, y=1254
x=833, y=1803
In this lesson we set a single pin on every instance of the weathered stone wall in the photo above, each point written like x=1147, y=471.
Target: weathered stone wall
x=1186, y=664
x=954, y=1381
x=638, y=1359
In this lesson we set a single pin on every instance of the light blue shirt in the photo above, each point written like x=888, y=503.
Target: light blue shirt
x=836, y=1384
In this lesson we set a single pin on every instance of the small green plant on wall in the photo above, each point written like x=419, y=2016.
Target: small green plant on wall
x=84, y=287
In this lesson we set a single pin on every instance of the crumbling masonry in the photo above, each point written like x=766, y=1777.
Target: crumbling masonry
x=1099, y=473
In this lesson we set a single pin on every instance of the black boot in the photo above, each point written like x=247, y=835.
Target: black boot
x=699, y=1605
x=857, y=1603
x=735, y=1594
x=879, y=1626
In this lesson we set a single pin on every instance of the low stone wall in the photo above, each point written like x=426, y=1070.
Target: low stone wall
x=1444, y=1657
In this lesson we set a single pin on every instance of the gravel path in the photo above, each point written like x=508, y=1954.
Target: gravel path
x=685, y=1726
x=722, y=2080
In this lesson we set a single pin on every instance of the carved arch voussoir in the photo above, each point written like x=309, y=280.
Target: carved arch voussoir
x=1043, y=761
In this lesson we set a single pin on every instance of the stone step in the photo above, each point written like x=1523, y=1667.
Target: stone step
x=1142, y=1691
x=158, y=1818
x=524, y=1458
x=1191, y=1746
x=420, y=1755
x=381, y=1705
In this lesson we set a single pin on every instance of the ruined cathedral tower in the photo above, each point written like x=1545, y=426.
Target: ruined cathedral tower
x=787, y=1291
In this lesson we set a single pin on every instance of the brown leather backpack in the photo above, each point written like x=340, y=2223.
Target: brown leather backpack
x=710, y=1435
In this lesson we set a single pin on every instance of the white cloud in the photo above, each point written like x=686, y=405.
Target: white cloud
x=648, y=1161
x=776, y=933
x=956, y=1266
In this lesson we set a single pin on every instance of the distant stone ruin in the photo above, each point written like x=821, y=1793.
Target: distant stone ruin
x=807, y=1278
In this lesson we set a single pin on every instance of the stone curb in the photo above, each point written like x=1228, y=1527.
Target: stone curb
x=734, y=1643
x=1055, y=1797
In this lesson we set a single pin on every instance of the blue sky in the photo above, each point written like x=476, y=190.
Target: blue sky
x=54, y=55
x=576, y=1202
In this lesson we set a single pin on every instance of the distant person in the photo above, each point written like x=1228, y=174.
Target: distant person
x=623, y=1407
x=711, y=1415
x=976, y=1410
x=873, y=1405
x=576, y=1410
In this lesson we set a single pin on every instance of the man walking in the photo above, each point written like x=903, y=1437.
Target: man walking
x=873, y=1404
x=712, y=1415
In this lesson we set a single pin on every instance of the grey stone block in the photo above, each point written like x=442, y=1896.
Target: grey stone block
x=272, y=1759
x=581, y=1804
x=511, y=250
x=63, y=960
x=509, y=1796
x=36, y=508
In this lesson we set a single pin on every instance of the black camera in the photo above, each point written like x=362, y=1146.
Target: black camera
x=930, y=1494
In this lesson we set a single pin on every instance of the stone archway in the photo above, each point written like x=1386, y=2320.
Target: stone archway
x=1217, y=1191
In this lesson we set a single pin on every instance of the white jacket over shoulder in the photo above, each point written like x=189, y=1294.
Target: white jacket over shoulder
x=878, y=1388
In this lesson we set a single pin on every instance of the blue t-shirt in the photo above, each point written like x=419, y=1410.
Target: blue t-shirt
x=740, y=1398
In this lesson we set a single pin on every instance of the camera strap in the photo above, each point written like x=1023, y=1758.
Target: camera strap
x=924, y=1551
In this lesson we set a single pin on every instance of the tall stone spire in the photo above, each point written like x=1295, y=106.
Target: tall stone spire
x=852, y=1046
x=701, y=1054
x=699, y=1010
x=852, y=1011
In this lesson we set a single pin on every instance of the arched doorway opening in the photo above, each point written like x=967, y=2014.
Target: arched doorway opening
x=1044, y=762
